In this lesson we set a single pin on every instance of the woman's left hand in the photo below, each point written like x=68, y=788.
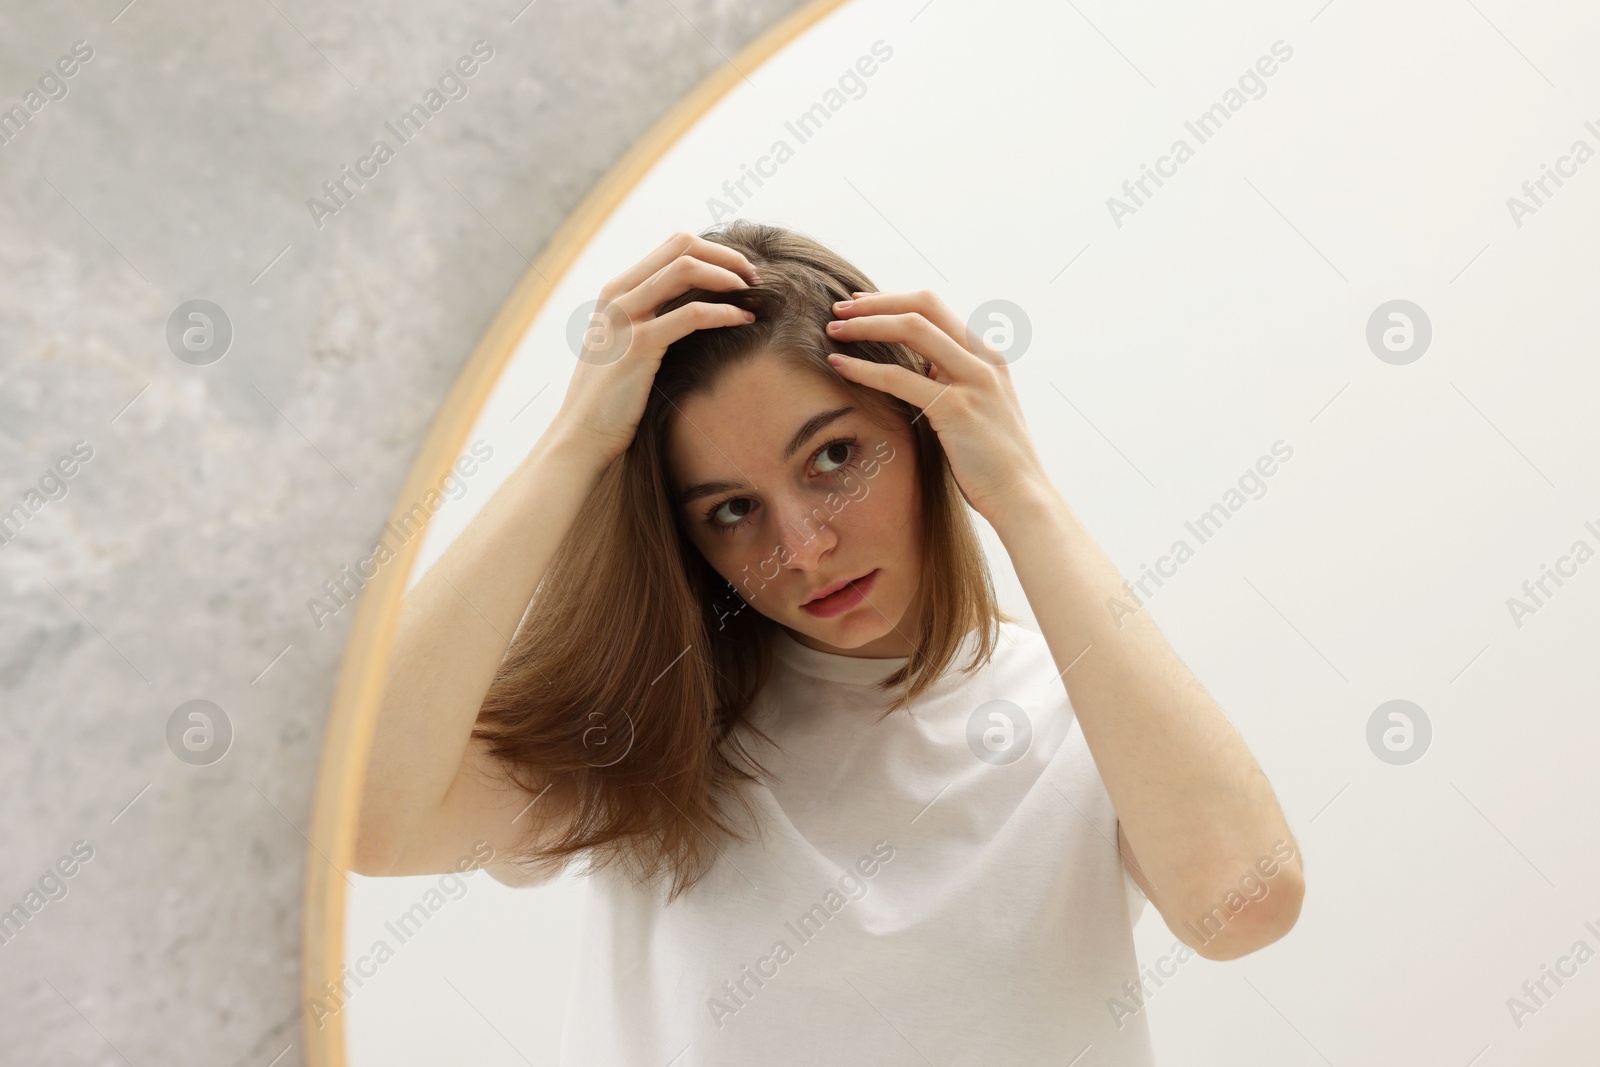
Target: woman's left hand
x=967, y=396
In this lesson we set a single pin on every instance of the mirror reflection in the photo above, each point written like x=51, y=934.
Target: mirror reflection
x=753, y=704
x=707, y=736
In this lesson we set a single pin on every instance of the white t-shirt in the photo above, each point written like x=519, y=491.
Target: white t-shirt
x=913, y=903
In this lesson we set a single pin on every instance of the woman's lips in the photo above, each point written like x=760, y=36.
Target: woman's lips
x=851, y=596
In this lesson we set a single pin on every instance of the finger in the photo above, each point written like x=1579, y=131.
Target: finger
x=669, y=250
x=891, y=378
x=911, y=328
x=932, y=308
x=673, y=280
x=654, y=335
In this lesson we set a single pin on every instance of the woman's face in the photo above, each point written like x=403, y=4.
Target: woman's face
x=788, y=488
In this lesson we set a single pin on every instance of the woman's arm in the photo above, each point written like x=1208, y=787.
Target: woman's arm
x=1193, y=806
x=428, y=799
x=430, y=793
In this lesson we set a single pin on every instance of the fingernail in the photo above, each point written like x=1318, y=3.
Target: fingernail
x=858, y=294
x=835, y=358
x=842, y=304
x=835, y=326
x=749, y=316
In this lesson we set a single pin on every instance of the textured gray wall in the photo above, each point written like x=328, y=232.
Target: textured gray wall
x=175, y=563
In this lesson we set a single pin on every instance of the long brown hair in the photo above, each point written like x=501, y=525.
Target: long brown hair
x=620, y=692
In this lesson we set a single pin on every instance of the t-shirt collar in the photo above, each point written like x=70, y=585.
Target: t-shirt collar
x=855, y=670
x=851, y=670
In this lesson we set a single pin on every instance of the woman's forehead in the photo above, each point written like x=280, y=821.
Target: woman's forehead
x=752, y=405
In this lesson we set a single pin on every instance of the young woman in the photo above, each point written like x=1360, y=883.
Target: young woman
x=728, y=634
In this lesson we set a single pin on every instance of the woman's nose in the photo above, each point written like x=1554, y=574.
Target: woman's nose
x=806, y=533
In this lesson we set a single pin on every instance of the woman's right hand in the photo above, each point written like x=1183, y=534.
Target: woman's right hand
x=622, y=351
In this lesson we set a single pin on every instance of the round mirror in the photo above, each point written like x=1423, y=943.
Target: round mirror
x=1158, y=327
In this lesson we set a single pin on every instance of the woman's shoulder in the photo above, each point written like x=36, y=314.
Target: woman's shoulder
x=1022, y=671
x=1018, y=646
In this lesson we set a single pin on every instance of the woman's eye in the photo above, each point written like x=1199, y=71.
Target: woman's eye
x=847, y=447
x=731, y=519
x=723, y=520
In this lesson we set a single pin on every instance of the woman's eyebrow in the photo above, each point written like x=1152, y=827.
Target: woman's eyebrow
x=808, y=429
